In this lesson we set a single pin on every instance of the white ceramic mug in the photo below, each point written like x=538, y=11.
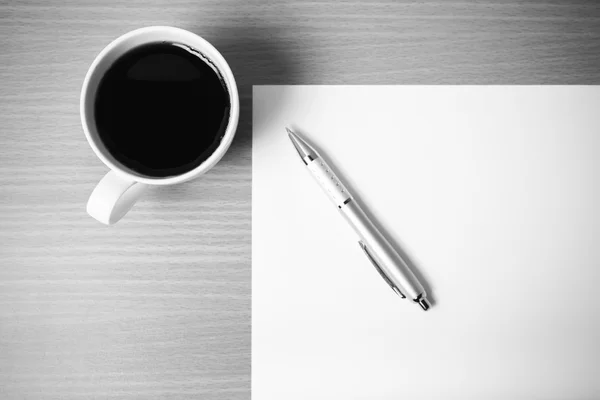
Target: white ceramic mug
x=120, y=188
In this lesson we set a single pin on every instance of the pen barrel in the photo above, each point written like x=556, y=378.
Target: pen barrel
x=388, y=259
x=329, y=182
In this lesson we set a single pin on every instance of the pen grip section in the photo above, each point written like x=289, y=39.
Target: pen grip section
x=330, y=183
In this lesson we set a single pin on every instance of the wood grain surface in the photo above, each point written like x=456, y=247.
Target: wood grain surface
x=159, y=305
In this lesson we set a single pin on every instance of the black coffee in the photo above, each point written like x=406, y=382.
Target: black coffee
x=161, y=109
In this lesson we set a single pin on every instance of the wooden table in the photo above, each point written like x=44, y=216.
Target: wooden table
x=158, y=306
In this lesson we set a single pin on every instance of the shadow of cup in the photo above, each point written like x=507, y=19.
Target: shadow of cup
x=257, y=55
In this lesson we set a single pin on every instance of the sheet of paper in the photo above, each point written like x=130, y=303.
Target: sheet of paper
x=493, y=194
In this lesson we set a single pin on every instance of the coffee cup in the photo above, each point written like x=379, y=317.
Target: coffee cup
x=159, y=106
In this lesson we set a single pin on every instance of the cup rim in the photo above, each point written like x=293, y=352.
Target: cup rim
x=199, y=44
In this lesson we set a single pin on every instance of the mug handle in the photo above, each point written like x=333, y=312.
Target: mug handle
x=113, y=197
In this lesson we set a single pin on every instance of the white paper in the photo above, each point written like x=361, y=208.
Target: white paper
x=493, y=194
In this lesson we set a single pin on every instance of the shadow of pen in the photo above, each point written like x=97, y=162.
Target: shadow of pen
x=403, y=254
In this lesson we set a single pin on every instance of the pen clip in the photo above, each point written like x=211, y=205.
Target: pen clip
x=378, y=268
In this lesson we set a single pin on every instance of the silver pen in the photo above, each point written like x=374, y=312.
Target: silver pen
x=378, y=249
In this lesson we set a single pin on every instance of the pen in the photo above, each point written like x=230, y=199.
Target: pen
x=378, y=249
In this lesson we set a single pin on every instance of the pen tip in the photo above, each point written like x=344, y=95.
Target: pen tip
x=301, y=146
